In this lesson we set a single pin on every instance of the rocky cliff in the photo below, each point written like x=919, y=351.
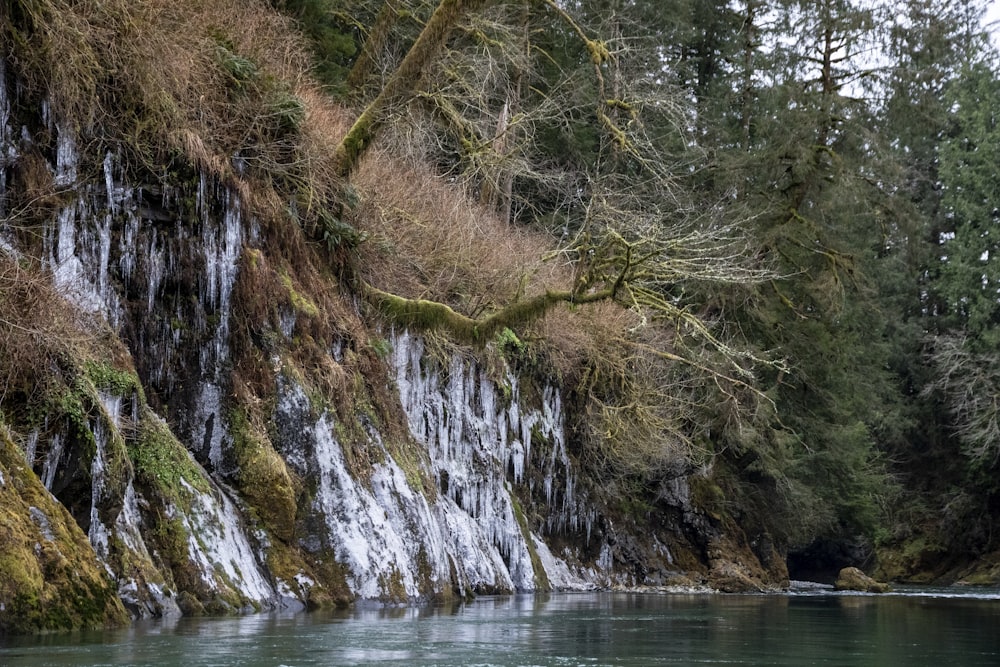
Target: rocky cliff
x=200, y=416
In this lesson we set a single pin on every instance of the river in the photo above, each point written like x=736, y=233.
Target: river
x=939, y=627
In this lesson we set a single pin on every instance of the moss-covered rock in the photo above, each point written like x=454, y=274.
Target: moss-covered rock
x=853, y=579
x=50, y=577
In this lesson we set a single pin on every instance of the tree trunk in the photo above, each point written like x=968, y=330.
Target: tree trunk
x=402, y=82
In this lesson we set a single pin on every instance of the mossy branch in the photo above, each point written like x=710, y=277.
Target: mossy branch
x=424, y=314
x=402, y=82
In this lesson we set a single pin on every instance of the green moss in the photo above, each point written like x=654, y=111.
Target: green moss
x=508, y=342
x=300, y=303
x=430, y=315
x=113, y=380
x=392, y=586
x=73, y=405
x=541, y=577
x=161, y=461
x=707, y=495
x=50, y=578
x=332, y=574
x=263, y=478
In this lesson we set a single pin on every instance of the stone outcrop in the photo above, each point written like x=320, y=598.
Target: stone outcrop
x=853, y=579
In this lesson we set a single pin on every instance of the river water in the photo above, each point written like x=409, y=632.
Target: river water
x=942, y=627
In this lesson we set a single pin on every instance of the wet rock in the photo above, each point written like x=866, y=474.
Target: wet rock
x=853, y=579
x=729, y=577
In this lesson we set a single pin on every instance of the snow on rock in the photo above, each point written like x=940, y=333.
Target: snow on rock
x=397, y=542
x=219, y=547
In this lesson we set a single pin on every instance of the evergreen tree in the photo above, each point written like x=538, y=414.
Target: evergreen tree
x=966, y=357
x=801, y=154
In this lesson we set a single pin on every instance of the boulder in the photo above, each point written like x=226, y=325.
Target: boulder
x=853, y=579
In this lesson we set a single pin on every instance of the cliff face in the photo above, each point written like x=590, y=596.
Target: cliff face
x=210, y=409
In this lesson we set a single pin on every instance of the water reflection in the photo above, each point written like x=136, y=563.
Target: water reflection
x=560, y=629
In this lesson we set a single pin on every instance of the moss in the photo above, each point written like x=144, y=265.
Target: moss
x=300, y=303
x=541, y=577
x=423, y=314
x=264, y=480
x=707, y=496
x=73, y=406
x=333, y=576
x=190, y=605
x=161, y=461
x=412, y=460
x=119, y=382
x=50, y=578
x=508, y=342
x=425, y=574
x=392, y=587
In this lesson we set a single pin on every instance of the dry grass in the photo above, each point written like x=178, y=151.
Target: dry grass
x=43, y=338
x=429, y=240
x=186, y=82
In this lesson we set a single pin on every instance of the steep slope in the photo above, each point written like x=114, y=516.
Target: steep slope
x=189, y=373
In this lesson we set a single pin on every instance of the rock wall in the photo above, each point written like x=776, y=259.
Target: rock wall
x=203, y=487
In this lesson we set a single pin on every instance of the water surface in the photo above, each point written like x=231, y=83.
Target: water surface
x=942, y=627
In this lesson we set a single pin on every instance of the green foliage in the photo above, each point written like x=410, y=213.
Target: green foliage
x=242, y=72
x=382, y=347
x=334, y=28
x=509, y=344
x=119, y=382
x=969, y=277
x=336, y=233
x=161, y=462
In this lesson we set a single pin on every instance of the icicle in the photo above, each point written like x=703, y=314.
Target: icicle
x=477, y=448
x=101, y=428
x=222, y=245
x=66, y=157
x=31, y=448
x=51, y=465
x=156, y=267
x=8, y=149
x=127, y=247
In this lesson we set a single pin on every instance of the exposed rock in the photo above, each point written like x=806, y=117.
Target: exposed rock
x=730, y=577
x=853, y=579
x=230, y=449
